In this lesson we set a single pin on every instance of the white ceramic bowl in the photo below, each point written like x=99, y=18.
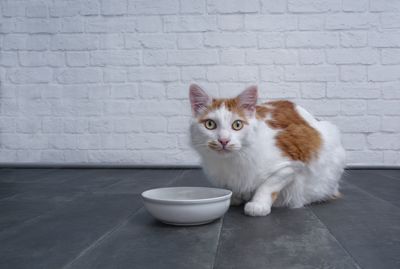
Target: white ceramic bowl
x=187, y=205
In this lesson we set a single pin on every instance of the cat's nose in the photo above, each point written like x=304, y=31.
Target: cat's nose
x=223, y=142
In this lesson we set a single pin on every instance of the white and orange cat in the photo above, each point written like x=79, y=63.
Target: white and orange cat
x=271, y=154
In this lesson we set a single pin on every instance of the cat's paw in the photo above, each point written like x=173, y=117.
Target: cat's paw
x=256, y=209
x=236, y=201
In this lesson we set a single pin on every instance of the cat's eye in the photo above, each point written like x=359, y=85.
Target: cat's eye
x=237, y=125
x=210, y=124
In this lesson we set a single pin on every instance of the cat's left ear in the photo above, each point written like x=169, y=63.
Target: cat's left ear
x=248, y=98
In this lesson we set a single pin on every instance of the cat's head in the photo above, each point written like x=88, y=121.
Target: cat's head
x=222, y=126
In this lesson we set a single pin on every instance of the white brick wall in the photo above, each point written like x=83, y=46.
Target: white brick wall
x=101, y=81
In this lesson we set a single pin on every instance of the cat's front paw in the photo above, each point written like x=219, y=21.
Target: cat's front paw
x=256, y=209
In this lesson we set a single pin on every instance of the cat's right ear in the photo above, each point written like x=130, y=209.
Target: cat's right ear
x=199, y=99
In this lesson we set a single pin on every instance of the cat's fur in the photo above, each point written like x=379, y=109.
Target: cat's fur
x=282, y=156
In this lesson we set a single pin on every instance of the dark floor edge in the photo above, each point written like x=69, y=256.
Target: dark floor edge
x=152, y=166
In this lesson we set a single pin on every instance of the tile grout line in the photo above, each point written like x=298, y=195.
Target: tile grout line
x=218, y=242
x=99, y=240
x=372, y=195
x=337, y=241
x=107, y=234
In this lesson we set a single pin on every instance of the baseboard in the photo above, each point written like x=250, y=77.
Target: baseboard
x=153, y=166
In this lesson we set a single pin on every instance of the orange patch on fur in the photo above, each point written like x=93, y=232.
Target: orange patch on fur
x=297, y=139
x=262, y=112
x=274, y=195
x=231, y=104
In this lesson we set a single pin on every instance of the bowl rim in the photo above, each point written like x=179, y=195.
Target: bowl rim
x=186, y=201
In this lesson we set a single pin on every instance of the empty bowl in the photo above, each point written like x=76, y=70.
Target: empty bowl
x=187, y=205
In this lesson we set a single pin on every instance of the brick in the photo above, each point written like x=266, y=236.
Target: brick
x=116, y=7
x=232, y=73
x=116, y=108
x=190, y=23
x=51, y=125
x=313, y=90
x=390, y=20
x=155, y=74
x=78, y=75
x=230, y=40
x=353, y=39
x=384, y=107
x=311, y=73
x=52, y=156
x=9, y=59
x=155, y=57
x=271, y=40
x=353, y=107
x=65, y=8
x=391, y=124
x=271, y=56
x=114, y=58
x=311, y=56
x=71, y=25
x=271, y=73
x=230, y=22
x=273, y=6
x=164, y=107
x=384, y=141
x=90, y=7
x=385, y=39
x=28, y=125
x=30, y=75
x=124, y=91
x=280, y=91
x=75, y=126
x=74, y=42
x=110, y=24
x=352, y=56
x=190, y=41
x=232, y=57
x=385, y=5
x=37, y=42
x=114, y=74
x=354, y=141
x=111, y=41
x=390, y=56
x=343, y=21
x=391, y=90
x=391, y=157
x=178, y=124
x=321, y=107
x=77, y=59
x=192, y=73
x=233, y=6
x=193, y=6
x=152, y=91
x=352, y=73
x=383, y=73
x=355, y=5
x=199, y=57
x=311, y=22
x=311, y=40
x=126, y=125
x=154, y=125
x=352, y=90
x=13, y=9
x=276, y=22
x=150, y=41
x=155, y=7
x=151, y=141
x=359, y=124
x=148, y=24
x=364, y=157
x=36, y=26
x=316, y=6
x=37, y=10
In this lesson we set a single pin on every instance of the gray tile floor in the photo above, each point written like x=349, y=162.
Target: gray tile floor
x=93, y=218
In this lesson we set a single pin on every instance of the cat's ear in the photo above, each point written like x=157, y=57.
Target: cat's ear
x=248, y=98
x=199, y=99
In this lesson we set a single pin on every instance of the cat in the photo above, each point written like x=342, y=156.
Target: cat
x=269, y=154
